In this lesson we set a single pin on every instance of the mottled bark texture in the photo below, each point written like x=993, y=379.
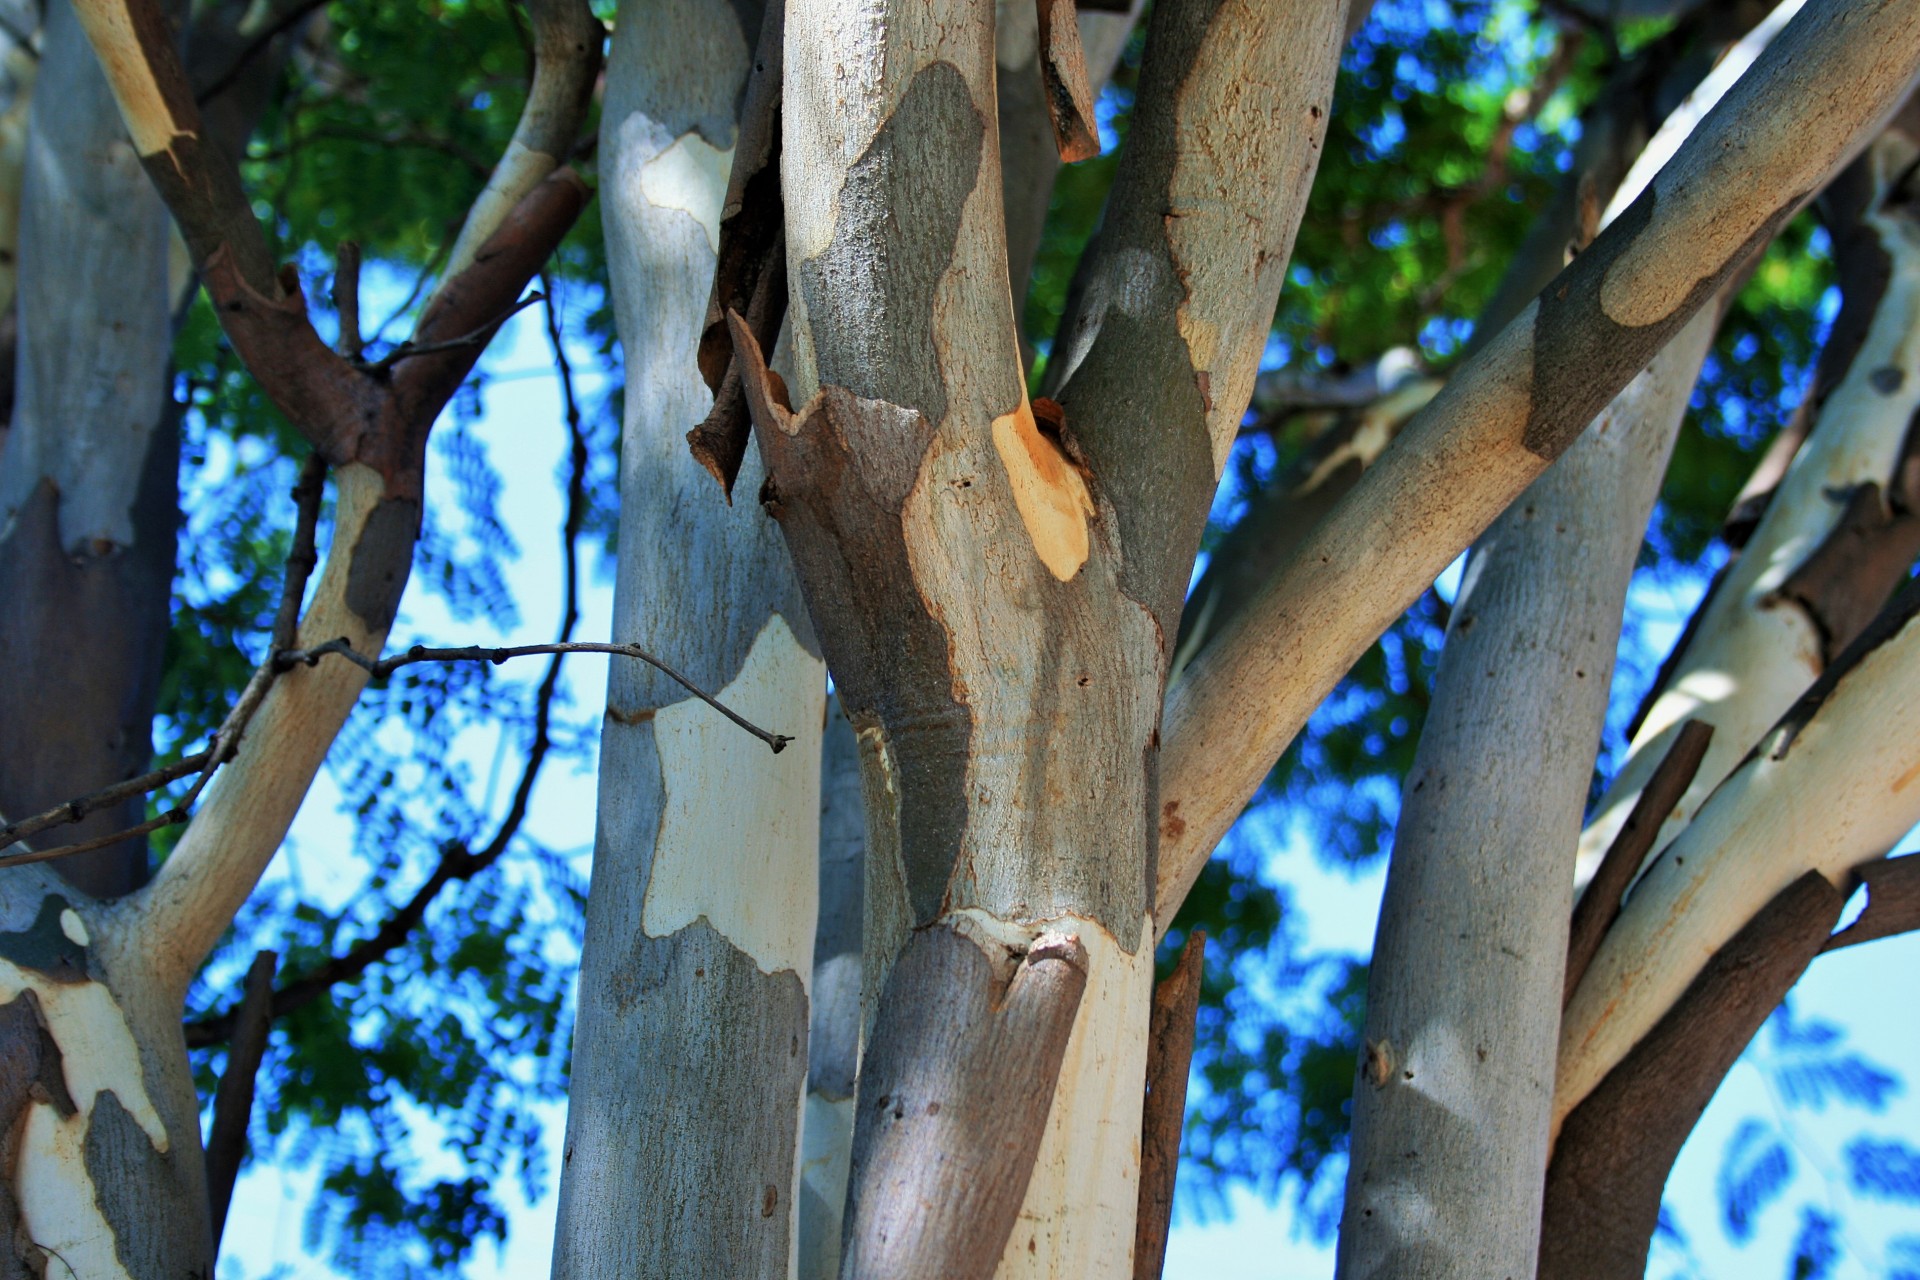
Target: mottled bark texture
x=1829, y=789
x=834, y=1021
x=88, y=485
x=691, y=1047
x=1838, y=533
x=109, y=1177
x=995, y=580
x=1520, y=402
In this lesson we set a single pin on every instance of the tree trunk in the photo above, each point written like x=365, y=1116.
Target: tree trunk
x=690, y=1051
x=88, y=477
x=996, y=586
x=833, y=1032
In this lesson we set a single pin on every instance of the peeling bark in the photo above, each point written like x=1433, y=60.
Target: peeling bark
x=691, y=1047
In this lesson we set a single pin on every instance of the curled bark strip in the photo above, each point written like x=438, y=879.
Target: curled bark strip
x=233, y=1103
x=719, y=443
x=1893, y=903
x=1176, y=1002
x=1063, y=76
x=954, y=1094
x=750, y=268
x=1600, y=904
x=752, y=217
x=1613, y=1157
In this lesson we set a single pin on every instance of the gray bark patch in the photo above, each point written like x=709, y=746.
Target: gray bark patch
x=158, y=1217
x=674, y=1015
x=45, y=948
x=899, y=223
x=381, y=560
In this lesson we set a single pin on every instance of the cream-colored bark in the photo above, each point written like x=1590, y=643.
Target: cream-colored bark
x=1753, y=652
x=1777, y=136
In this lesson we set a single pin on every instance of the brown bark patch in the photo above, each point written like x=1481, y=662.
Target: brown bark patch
x=954, y=1096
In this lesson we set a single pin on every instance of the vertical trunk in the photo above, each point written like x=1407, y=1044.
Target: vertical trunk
x=996, y=579
x=833, y=1032
x=1464, y=998
x=88, y=481
x=1463, y=1005
x=690, y=1053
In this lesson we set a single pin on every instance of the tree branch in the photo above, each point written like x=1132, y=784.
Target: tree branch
x=233, y=1101
x=1176, y=1003
x=1597, y=908
x=379, y=669
x=1893, y=902
x=1518, y=404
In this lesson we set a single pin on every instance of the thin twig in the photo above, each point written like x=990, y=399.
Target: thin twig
x=383, y=667
x=477, y=338
x=304, y=556
x=76, y=809
x=346, y=298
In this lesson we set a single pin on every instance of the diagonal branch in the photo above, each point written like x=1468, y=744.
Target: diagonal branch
x=370, y=424
x=1518, y=404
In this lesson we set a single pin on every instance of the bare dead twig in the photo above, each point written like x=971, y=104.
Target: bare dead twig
x=381, y=668
x=475, y=338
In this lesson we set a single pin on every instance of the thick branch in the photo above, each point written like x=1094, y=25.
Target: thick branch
x=1611, y=1164
x=1893, y=903
x=567, y=41
x=1828, y=790
x=955, y=1088
x=1520, y=402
